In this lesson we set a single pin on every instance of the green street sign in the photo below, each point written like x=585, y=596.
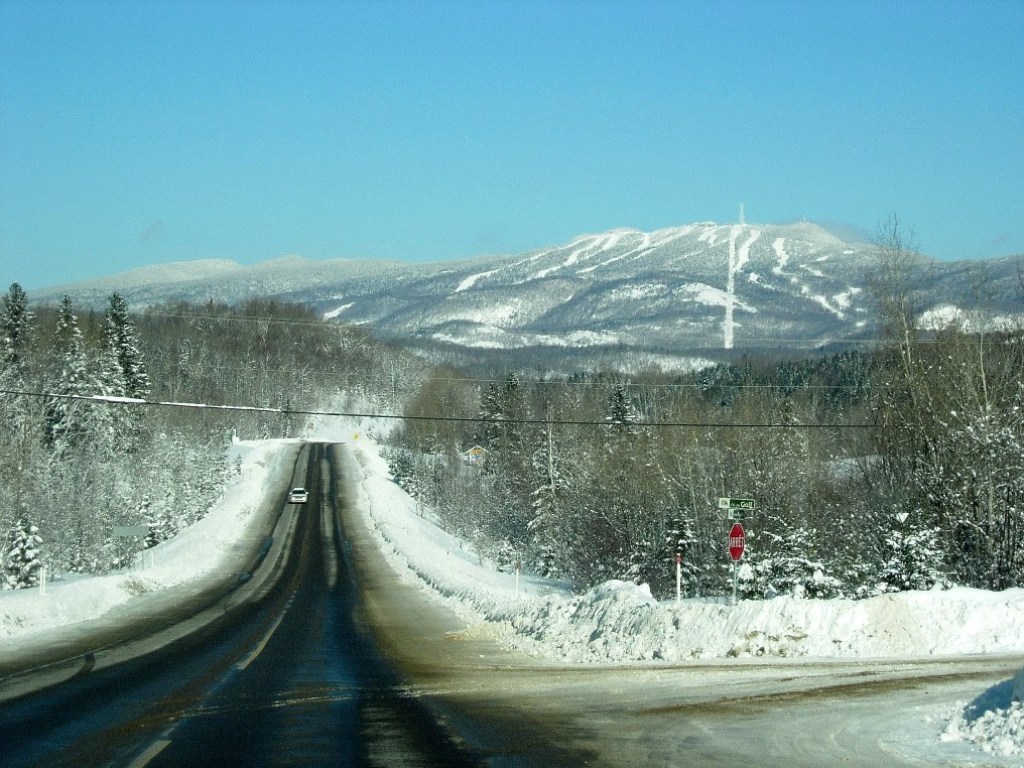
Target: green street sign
x=737, y=507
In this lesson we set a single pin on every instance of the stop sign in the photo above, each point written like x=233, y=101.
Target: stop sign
x=737, y=541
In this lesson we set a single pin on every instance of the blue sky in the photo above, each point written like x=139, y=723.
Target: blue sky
x=141, y=133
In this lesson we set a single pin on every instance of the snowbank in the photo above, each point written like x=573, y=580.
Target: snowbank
x=209, y=544
x=619, y=621
x=994, y=721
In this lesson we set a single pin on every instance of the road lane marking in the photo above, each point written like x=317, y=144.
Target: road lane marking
x=146, y=757
x=244, y=663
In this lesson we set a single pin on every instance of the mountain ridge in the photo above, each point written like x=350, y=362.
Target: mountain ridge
x=692, y=290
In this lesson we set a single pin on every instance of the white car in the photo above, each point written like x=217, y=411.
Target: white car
x=298, y=496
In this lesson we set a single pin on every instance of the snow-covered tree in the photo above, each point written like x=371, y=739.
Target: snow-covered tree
x=121, y=338
x=122, y=372
x=512, y=441
x=22, y=556
x=403, y=471
x=490, y=413
x=952, y=423
x=912, y=556
x=549, y=518
x=975, y=482
x=158, y=519
x=786, y=564
x=681, y=541
x=622, y=412
x=66, y=417
x=20, y=414
x=15, y=331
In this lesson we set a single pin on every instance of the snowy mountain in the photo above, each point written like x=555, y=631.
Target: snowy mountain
x=701, y=290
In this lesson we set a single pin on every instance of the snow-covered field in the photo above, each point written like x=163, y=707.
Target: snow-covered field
x=614, y=622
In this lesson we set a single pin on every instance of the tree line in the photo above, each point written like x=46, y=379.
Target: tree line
x=74, y=469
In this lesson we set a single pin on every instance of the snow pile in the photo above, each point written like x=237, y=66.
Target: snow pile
x=621, y=619
x=994, y=721
x=907, y=624
x=207, y=545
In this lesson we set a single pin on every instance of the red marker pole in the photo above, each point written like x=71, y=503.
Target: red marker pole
x=679, y=576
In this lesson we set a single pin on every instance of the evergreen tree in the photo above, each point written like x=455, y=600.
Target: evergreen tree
x=513, y=409
x=122, y=372
x=912, y=557
x=621, y=410
x=66, y=417
x=156, y=518
x=19, y=414
x=120, y=338
x=490, y=414
x=108, y=374
x=22, y=561
x=403, y=471
x=15, y=334
x=548, y=514
x=787, y=566
x=681, y=542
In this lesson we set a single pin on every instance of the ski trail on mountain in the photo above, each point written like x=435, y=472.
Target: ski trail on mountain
x=738, y=257
x=470, y=281
x=573, y=258
x=728, y=325
x=779, y=246
x=743, y=255
x=646, y=247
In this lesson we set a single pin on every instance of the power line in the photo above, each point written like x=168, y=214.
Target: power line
x=127, y=401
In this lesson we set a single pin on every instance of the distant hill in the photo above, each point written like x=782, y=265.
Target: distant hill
x=700, y=291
